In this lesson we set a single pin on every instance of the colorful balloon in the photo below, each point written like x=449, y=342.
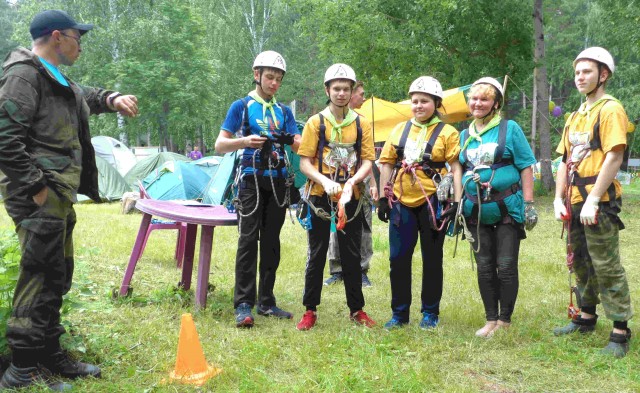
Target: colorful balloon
x=552, y=105
x=557, y=111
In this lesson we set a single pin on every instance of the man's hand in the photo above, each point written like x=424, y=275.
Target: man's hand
x=589, y=212
x=41, y=197
x=384, y=210
x=559, y=209
x=254, y=141
x=347, y=192
x=373, y=190
x=330, y=187
x=284, y=138
x=126, y=105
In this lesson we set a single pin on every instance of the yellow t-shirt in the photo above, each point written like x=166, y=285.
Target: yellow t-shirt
x=310, y=139
x=613, y=132
x=446, y=148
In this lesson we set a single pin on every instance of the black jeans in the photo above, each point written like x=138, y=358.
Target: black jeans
x=46, y=273
x=349, y=244
x=497, y=264
x=263, y=226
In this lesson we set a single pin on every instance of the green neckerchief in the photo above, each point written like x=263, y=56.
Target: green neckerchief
x=422, y=136
x=265, y=105
x=585, y=111
x=336, y=129
x=473, y=134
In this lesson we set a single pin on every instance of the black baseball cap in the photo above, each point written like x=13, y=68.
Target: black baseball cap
x=47, y=21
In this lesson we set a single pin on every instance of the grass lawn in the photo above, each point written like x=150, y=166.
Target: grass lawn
x=134, y=340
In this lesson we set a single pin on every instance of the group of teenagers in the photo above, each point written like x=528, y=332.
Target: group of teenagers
x=434, y=180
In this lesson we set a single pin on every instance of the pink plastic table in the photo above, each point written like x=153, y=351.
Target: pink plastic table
x=208, y=217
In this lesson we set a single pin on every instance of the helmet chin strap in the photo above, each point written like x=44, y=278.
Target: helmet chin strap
x=259, y=84
x=599, y=83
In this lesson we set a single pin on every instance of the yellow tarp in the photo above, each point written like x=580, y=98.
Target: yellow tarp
x=384, y=115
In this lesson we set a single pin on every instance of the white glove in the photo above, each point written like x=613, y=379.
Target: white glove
x=330, y=187
x=589, y=212
x=559, y=209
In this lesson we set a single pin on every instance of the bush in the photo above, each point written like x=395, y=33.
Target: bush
x=9, y=271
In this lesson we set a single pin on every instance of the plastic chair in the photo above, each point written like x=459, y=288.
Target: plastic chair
x=165, y=224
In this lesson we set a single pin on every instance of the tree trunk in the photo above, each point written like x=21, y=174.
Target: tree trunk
x=542, y=86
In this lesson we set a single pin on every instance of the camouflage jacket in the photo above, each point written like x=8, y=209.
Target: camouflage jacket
x=44, y=131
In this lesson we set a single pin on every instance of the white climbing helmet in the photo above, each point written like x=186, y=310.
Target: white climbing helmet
x=339, y=71
x=490, y=81
x=428, y=85
x=270, y=59
x=597, y=54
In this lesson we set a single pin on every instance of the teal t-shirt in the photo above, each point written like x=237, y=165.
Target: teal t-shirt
x=55, y=72
x=517, y=150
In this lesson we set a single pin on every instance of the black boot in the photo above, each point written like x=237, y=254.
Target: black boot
x=60, y=363
x=618, y=344
x=16, y=377
x=577, y=324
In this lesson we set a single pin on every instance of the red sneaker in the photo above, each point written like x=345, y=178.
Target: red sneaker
x=362, y=318
x=308, y=320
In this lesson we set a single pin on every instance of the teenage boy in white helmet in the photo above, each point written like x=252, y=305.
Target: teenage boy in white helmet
x=263, y=126
x=588, y=197
x=366, y=248
x=336, y=154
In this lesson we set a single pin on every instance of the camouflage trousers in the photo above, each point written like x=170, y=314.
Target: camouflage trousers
x=599, y=272
x=46, y=271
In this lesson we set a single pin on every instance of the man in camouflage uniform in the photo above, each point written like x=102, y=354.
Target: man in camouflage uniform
x=592, y=148
x=46, y=158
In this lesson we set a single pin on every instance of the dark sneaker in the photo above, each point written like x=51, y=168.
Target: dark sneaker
x=362, y=318
x=577, y=324
x=308, y=320
x=15, y=378
x=334, y=279
x=244, y=318
x=429, y=320
x=395, y=323
x=274, y=311
x=365, y=281
x=618, y=344
x=60, y=363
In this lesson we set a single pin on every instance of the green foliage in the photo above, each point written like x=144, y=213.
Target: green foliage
x=187, y=61
x=9, y=270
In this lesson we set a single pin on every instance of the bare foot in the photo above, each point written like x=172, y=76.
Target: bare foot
x=487, y=330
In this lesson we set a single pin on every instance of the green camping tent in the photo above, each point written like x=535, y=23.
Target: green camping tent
x=111, y=184
x=144, y=167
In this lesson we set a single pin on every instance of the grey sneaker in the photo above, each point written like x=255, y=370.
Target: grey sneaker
x=365, y=281
x=244, y=318
x=334, y=279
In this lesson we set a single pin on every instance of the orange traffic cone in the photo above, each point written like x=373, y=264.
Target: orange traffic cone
x=191, y=366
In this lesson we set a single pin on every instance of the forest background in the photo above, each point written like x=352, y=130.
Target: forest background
x=188, y=60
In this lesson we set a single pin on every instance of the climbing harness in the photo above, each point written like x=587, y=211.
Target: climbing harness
x=273, y=159
x=410, y=167
x=342, y=158
x=485, y=193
